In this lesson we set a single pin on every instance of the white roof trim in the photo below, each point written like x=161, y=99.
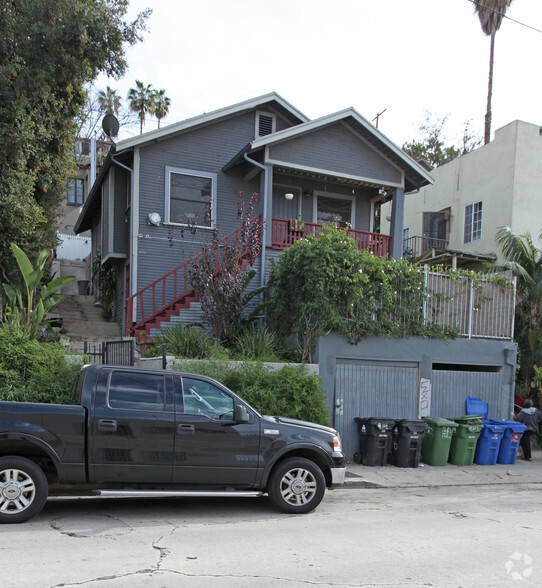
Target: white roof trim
x=327, y=172
x=206, y=118
x=335, y=117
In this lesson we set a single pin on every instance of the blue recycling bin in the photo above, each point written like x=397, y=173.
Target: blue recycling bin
x=510, y=442
x=489, y=442
x=477, y=406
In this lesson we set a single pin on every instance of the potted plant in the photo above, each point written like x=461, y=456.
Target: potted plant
x=105, y=283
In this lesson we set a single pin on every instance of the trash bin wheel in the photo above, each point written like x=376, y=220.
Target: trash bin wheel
x=357, y=457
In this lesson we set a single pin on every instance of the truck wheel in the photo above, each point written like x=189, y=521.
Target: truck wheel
x=296, y=485
x=23, y=489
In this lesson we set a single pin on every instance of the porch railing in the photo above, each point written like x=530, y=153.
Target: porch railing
x=158, y=296
x=415, y=246
x=285, y=232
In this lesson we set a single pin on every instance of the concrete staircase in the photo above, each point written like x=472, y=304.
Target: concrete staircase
x=83, y=321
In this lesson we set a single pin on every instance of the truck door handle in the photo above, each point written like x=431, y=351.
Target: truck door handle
x=185, y=429
x=107, y=426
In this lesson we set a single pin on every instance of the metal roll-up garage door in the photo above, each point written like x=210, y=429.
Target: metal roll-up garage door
x=452, y=384
x=372, y=389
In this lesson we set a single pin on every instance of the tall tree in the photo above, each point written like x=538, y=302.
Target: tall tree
x=490, y=13
x=160, y=105
x=109, y=101
x=140, y=99
x=49, y=50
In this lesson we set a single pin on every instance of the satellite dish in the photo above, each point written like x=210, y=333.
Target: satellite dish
x=110, y=125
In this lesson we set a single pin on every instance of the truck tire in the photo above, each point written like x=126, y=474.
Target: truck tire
x=296, y=485
x=23, y=489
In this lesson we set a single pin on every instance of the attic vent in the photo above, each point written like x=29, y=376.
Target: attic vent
x=265, y=124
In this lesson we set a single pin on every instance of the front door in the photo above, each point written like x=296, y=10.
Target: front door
x=209, y=447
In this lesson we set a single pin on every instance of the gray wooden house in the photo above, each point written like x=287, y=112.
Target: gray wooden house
x=307, y=172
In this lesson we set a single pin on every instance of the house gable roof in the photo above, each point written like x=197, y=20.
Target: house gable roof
x=272, y=99
x=415, y=174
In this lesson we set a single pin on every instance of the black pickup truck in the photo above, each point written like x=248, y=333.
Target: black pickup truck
x=136, y=432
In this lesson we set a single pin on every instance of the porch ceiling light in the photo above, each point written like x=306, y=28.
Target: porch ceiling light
x=289, y=196
x=154, y=219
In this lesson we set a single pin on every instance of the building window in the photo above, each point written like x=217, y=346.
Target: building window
x=473, y=222
x=75, y=191
x=190, y=197
x=336, y=209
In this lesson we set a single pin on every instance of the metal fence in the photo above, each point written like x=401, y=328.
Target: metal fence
x=481, y=306
x=111, y=352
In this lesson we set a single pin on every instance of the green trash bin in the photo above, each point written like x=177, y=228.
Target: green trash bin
x=437, y=439
x=464, y=439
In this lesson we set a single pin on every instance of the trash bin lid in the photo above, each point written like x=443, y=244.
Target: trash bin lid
x=439, y=422
x=494, y=426
x=477, y=406
x=515, y=426
x=468, y=419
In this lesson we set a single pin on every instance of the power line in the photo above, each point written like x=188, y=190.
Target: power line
x=505, y=16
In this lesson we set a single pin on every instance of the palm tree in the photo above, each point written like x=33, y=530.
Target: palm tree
x=490, y=13
x=524, y=260
x=109, y=101
x=160, y=105
x=140, y=99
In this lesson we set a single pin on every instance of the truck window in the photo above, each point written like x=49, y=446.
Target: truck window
x=200, y=397
x=135, y=391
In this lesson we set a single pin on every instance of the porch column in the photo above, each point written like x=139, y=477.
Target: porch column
x=397, y=222
x=267, y=180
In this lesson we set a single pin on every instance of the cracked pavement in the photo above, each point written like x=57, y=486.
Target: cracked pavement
x=392, y=537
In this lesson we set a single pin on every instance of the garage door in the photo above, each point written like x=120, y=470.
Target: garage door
x=452, y=384
x=372, y=389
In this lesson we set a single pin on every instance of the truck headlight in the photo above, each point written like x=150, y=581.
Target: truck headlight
x=337, y=444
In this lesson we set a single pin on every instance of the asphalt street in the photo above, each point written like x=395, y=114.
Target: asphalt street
x=411, y=534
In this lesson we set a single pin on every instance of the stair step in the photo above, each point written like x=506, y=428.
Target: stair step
x=83, y=321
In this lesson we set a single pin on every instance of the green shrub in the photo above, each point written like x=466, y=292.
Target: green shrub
x=31, y=371
x=289, y=392
x=186, y=341
x=256, y=345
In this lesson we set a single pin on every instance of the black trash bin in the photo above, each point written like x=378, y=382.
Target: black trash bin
x=406, y=444
x=374, y=441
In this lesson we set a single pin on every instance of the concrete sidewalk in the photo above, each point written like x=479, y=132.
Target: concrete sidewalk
x=522, y=472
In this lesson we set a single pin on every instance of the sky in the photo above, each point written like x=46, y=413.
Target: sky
x=403, y=57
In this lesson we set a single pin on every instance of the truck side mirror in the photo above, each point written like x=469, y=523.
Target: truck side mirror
x=241, y=414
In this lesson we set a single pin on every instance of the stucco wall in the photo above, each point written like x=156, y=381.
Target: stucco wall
x=505, y=175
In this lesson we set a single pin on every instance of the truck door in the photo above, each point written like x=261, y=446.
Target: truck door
x=132, y=429
x=209, y=447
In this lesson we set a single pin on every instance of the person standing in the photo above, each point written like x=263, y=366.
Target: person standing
x=530, y=417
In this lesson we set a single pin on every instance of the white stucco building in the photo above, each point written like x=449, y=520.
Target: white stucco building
x=454, y=221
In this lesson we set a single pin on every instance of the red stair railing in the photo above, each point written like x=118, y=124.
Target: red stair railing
x=161, y=295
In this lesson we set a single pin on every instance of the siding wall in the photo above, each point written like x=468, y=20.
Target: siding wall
x=339, y=150
x=206, y=149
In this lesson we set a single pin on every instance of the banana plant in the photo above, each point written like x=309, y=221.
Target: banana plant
x=28, y=308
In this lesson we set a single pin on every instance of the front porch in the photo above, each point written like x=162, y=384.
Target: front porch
x=285, y=232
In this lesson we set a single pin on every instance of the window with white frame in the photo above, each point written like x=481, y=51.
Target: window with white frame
x=473, y=223
x=190, y=197
x=75, y=191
